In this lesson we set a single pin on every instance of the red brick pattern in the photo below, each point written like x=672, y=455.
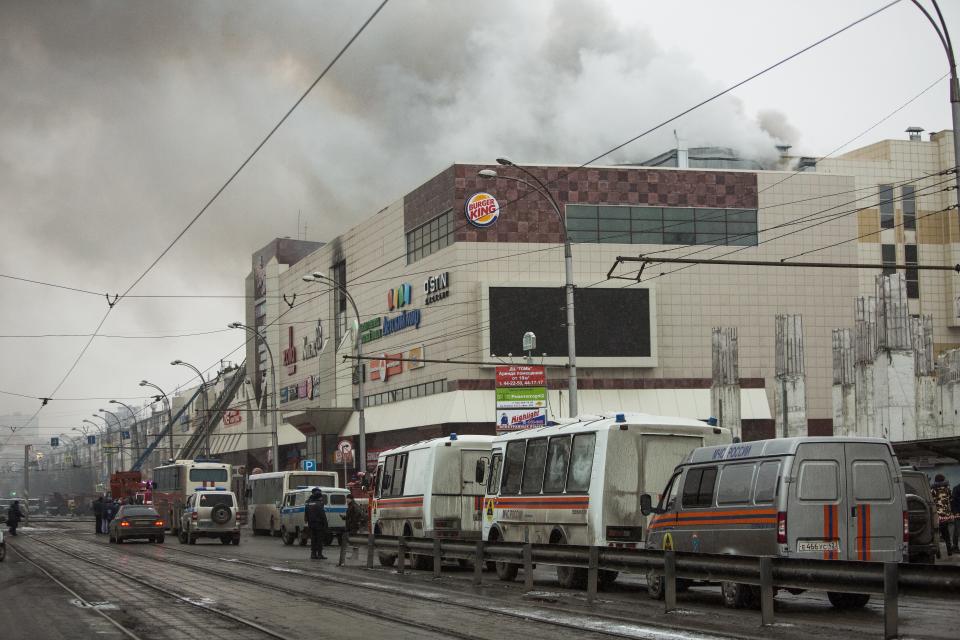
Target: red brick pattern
x=528, y=217
x=554, y=382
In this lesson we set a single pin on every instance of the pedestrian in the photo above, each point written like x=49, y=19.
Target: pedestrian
x=955, y=507
x=14, y=515
x=110, y=508
x=98, y=515
x=940, y=489
x=354, y=516
x=316, y=517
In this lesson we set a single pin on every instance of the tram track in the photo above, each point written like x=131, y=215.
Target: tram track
x=327, y=601
x=641, y=629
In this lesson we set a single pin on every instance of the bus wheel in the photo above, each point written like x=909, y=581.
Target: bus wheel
x=570, y=577
x=736, y=595
x=423, y=563
x=387, y=559
x=507, y=571
x=288, y=536
x=848, y=600
x=606, y=578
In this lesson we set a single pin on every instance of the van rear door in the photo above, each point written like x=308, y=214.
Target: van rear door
x=817, y=506
x=471, y=500
x=875, y=505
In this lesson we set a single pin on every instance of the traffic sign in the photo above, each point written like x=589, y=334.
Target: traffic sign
x=126, y=435
x=345, y=446
x=91, y=439
x=54, y=442
x=309, y=465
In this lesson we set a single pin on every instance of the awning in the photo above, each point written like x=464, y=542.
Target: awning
x=311, y=422
x=288, y=434
x=478, y=406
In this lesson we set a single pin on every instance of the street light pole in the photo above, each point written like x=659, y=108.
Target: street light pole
x=568, y=270
x=144, y=383
x=134, y=431
x=120, y=433
x=100, y=442
x=944, y=36
x=206, y=409
x=274, y=444
x=108, y=466
x=358, y=347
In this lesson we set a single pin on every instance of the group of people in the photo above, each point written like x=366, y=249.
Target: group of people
x=316, y=518
x=948, y=511
x=104, y=508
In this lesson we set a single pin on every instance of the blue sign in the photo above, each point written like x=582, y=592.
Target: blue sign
x=125, y=434
x=309, y=465
x=91, y=439
x=54, y=442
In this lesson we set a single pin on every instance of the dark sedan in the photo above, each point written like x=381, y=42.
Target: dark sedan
x=136, y=521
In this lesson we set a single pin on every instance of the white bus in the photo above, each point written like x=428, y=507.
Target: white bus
x=581, y=482
x=432, y=488
x=174, y=483
x=265, y=491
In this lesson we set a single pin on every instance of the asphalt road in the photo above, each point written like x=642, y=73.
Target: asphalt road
x=323, y=600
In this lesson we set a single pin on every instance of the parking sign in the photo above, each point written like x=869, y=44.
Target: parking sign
x=309, y=465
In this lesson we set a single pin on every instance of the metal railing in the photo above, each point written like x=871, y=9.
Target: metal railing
x=888, y=579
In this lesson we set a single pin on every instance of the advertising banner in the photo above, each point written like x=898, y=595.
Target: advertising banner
x=232, y=417
x=521, y=376
x=513, y=419
x=521, y=397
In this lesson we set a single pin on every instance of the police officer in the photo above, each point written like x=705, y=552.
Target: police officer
x=14, y=515
x=317, y=521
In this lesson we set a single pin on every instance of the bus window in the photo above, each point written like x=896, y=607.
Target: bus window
x=768, y=476
x=399, y=472
x=558, y=456
x=533, y=466
x=581, y=462
x=208, y=475
x=379, y=479
x=735, y=483
x=513, y=467
x=493, y=482
x=669, y=498
x=698, y=487
x=388, y=475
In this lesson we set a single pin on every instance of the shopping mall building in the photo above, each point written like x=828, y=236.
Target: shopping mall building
x=447, y=279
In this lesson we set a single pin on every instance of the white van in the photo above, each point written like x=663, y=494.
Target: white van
x=293, y=525
x=580, y=482
x=431, y=489
x=818, y=497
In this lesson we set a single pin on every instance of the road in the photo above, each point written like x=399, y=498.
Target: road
x=263, y=589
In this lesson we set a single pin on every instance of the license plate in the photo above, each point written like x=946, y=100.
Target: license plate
x=818, y=545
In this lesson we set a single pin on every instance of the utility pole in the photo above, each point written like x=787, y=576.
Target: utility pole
x=26, y=470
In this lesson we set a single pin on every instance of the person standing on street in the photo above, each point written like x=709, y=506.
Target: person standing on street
x=14, y=515
x=955, y=507
x=940, y=490
x=316, y=518
x=98, y=515
x=354, y=516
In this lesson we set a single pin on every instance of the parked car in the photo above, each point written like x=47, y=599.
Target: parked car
x=923, y=545
x=210, y=513
x=136, y=521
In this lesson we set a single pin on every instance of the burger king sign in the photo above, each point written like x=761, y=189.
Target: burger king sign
x=482, y=209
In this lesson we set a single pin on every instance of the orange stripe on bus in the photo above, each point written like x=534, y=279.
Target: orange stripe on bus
x=728, y=512
x=772, y=521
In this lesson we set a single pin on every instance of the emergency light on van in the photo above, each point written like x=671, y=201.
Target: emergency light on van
x=210, y=489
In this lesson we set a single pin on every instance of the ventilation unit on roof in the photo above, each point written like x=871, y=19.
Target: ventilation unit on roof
x=914, y=133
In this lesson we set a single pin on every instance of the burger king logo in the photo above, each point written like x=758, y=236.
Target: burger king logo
x=482, y=209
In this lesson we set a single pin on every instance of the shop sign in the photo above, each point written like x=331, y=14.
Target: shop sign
x=311, y=349
x=521, y=397
x=415, y=353
x=399, y=297
x=514, y=419
x=302, y=388
x=482, y=209
x=284, y=394
x=436, y=288
x=290, y=353
x=385, y=366
x=232, y=417
x=405, y=320
x=371, y=330
x=521, y=376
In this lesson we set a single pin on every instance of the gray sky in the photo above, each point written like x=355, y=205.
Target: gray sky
x=118, y=120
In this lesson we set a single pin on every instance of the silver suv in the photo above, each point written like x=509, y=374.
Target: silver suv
x=210, y=513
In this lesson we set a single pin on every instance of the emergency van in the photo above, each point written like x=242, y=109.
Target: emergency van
x=580, y=482
x=814, y=497
x=433, y=488
x=293, y=526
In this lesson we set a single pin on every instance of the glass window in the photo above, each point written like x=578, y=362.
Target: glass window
x=614, y=231
x=668, y=499
x=886, y=206
x=388, y=475
x=613, y=213
x=742, y=215
x=912, y=274
x=888, y=254
x=581, y=211
x=698, y=487
x=533, y=466
x=909, y=203
x=494, y=480
x=581, y=462
x=558, y=457
x=736, y=480
x=582, y=236
x=430, y=237
x=513, y=467
x=871, y=481
x=679, y=226
x=214, y=499
x=139, y=511
x=582, y=224
x=208, y=475
x=819, y=481
x=399, y=473
x=768, y=479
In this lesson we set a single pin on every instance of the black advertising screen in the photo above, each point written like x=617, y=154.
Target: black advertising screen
x=610, y=323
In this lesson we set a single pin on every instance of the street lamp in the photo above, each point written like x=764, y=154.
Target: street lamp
x=362, y=437
x=568, y=265
x=203, y=389
x=108, y=467
x=84, y=430
x=134, y=431
x=274, y=445
x=144, y=383
x=119, y=432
